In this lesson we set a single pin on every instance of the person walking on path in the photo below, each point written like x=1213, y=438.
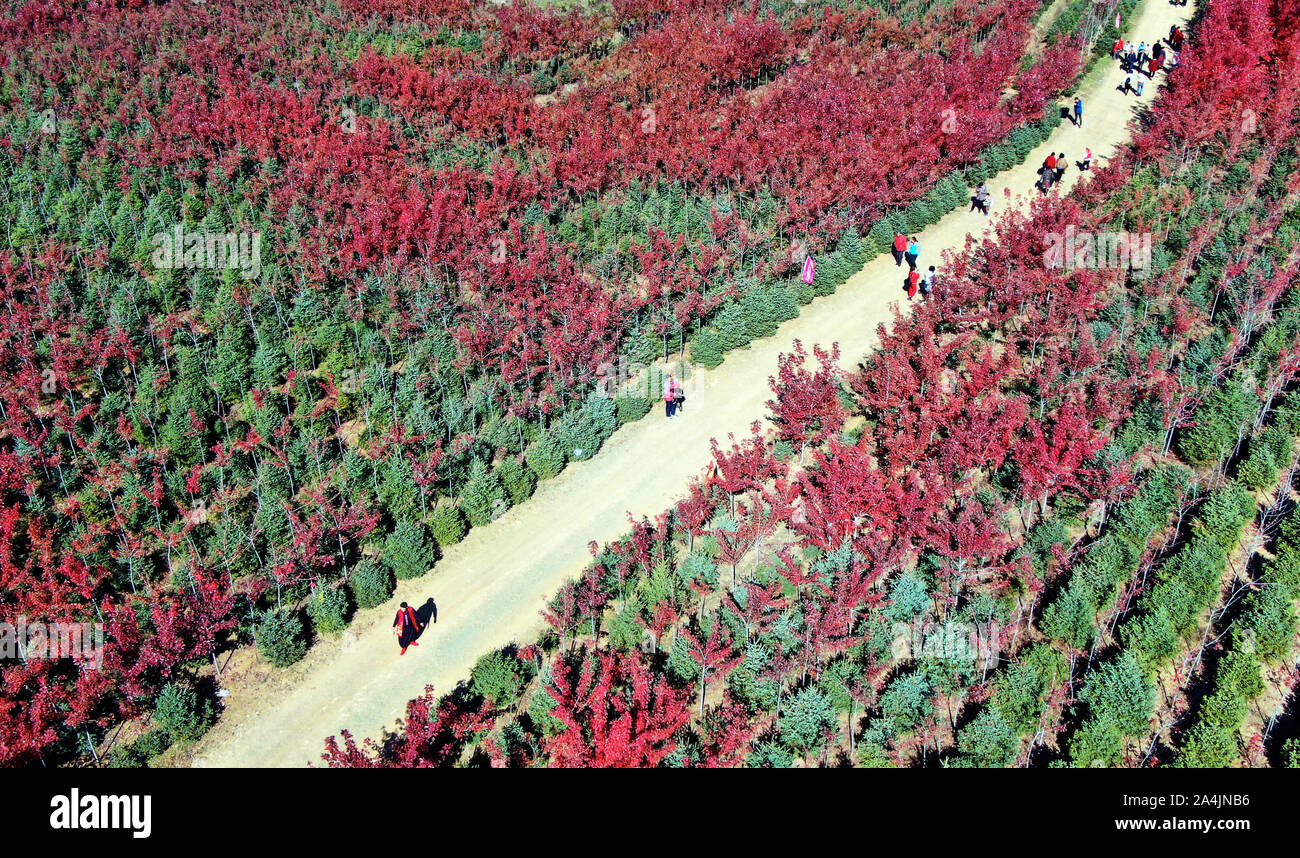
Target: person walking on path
x=1127, y=86
x=406, y=625
x=1153, y=66
x=1142, y=53
x=670, y=397
x=1138, y=84
x=1078, y=112
x=981, y=199
x=1049, y=170
x=927, y=284
x=900, y=247
x=1131, y=60
x=913, y=251
x=913, y=280
x=1086, y=163
x=1061, y=164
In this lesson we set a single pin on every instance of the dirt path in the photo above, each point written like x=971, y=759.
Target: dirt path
x=490, y=588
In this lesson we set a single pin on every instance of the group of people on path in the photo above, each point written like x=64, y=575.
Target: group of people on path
x=909, y=249
x=1135, y=60
x=1053, y=168
x=1140, y=59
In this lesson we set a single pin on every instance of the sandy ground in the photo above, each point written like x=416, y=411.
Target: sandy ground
x=490, y=588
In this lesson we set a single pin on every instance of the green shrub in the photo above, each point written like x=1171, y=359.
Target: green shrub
x=540, y=706
x=1270, y=616
x=518, y=481
x=545, y=456
x=602, y=412
x=407, y=550
x=1265, y=456
x=1224, y=514
x=1120, y=693
x=179, y=711
x=769, y=755
x=707, y=348
x=1071, y=618
x=1291, y=753
x=448, y=525
x=907, y=701
x=577, y=436
x=1096, y=744
x=1219, y=422
x=851, y=250
x=1019, y=694
x=328, y=609
x=631, y=408
x=482, y=498
x=808, y=715
x=281, y=637
x=138, y=753
x=1209, y=746
x=988, y=741
x=371, y=583
x=882, y=233
x=1286, y=414
x=1152, y=637
x=498, y=677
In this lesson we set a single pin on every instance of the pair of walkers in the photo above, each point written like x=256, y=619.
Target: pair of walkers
x=915, y=281
x=674, y=397
x=906, y=249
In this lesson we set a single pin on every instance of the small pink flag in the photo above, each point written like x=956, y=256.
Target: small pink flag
x=1116, y=20
x=809, y=269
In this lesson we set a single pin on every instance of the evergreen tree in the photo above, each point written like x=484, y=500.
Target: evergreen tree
x=407, y=551
x=483, y=498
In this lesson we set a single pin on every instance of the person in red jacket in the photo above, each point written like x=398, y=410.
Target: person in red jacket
x=670, y=397
x=406, y=625
x=913, y=280
x=900, y=247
